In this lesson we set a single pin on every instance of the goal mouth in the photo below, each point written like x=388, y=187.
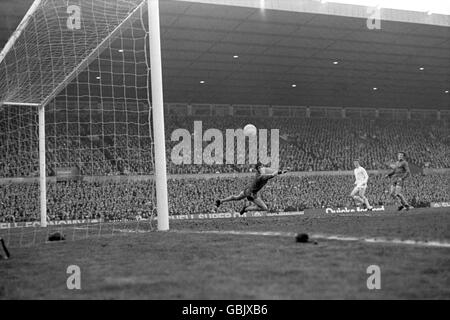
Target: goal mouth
x=82, y=110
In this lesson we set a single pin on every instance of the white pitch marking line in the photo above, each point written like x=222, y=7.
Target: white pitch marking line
x=132, y=231
x=436, y=244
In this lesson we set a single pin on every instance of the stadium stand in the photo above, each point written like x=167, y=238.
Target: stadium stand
x=105, y=147
x=118, y=200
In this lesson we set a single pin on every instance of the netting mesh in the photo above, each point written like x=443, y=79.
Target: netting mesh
x=94, y=78
x=50, y=47
x=19, y=142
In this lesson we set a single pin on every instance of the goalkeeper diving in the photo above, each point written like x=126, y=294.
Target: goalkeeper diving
x=262, y=176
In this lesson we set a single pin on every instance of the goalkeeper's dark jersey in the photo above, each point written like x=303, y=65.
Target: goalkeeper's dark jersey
x=400, y=170
x=259, y=181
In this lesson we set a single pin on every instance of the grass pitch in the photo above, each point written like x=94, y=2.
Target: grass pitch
x=190, y=262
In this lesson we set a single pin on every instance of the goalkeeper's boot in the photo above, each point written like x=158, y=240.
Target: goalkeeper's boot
x=218, y=203
x=243, y=210
x=401, y=208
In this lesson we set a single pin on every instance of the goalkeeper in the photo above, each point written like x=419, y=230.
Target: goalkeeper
x=263, y=175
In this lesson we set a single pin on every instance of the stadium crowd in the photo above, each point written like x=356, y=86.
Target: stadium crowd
x=114, y=200
x=114, y=143
x=117, y=143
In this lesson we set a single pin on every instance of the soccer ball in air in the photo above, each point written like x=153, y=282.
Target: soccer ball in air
x=250, y=130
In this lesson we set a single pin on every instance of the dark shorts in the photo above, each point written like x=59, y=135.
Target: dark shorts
x=250, y=194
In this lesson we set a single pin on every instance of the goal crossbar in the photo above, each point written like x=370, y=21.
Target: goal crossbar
x=25, y=104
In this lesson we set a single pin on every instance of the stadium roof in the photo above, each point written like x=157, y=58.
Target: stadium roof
x=316, y=54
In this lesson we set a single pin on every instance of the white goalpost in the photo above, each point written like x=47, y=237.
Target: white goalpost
x=158, y=115
x=42, y=167
x=91, y=84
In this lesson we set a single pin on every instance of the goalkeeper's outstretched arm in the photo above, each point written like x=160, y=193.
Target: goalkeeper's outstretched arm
x=272, y=173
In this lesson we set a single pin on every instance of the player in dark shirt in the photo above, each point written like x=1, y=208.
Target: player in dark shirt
x=400, y=172
x=263, y=175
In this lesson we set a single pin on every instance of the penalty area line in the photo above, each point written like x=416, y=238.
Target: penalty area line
x=328, y=237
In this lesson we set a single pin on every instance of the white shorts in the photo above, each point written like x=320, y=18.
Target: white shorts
x=359, y=190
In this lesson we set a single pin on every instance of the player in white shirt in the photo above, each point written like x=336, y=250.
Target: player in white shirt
x=361, y=178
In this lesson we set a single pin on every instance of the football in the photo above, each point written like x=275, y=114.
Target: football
x=250, y=130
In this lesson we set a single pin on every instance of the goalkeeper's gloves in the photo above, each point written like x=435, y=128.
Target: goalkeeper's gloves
x=283, y=171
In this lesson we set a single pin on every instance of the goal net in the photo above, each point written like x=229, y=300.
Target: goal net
x=81, y=70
